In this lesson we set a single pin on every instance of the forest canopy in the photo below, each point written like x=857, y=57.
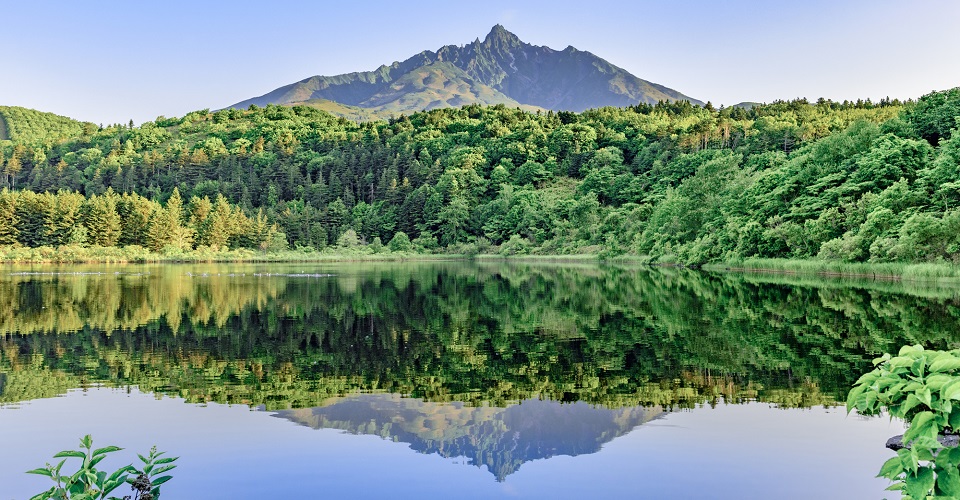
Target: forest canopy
x=852, y=181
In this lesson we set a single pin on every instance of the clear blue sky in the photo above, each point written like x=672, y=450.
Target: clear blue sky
x=111, y=61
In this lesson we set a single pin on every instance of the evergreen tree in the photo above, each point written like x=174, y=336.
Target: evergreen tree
x=102, y=220
x=9, y=235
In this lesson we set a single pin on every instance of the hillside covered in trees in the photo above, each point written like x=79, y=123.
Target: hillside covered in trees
x=852, y=181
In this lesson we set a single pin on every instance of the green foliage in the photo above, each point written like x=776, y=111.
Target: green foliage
x=935, y=115
x=27, y=126
x=400, y=242
x=922, y=387
x=65, y=218
x=151, y=474
x=671, y=182
x=348, y=239
x=89, y=483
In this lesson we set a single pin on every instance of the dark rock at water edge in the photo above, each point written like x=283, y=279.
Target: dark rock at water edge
x=949, y=441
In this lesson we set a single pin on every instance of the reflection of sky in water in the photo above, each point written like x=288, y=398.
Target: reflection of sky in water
x=735, y=451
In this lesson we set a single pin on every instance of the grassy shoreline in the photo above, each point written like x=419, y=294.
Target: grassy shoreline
x=140, y=255
x=940, y=272
x=896, y=271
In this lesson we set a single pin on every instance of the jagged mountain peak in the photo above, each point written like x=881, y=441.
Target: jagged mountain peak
x=500, y=34
x=500, y=69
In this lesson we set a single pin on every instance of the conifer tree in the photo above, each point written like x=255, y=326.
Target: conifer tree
x=8, y=218
x=102, y=220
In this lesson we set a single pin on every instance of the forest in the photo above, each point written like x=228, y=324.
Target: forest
x=672, y=182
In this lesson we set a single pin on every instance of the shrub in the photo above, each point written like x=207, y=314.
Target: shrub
x=400, y=242
x=923, y=388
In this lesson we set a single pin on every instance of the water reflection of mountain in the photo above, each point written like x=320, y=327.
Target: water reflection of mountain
x=502, y=439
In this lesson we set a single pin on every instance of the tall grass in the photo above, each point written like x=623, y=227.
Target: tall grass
x=578, y=258
x=136, y=254
x=885, y=270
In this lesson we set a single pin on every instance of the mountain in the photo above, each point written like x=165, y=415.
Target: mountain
x=501, y=439
x=747, y=105
x=501, y=69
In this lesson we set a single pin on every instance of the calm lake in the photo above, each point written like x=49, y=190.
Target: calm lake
x=467, y=380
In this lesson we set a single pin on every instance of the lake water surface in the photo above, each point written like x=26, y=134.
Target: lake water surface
x=467, y=380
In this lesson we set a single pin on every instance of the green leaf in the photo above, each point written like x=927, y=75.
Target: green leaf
x=42, y=472
x=908, y=459
x=954, y=419
x=910, y=349
x=944, y=364
x=911, y=387
x=921, y=425
x=76, y=488
x=936, y=382
x=161, y=470
x=110, y=486
x=891, y=468
x=951, y=390
x=917, y=366
x=900, y=362
x=911, y=402
x=70, y=454
x=919, y=485
x=868, y=401
x=924, y=396
x=943, y=459
x=948, y=481
x=121, y=471
x=946, y=407
x=868, y=378
x=45, y=495
x=165, y=460
x=160, y=480
x=106, y=449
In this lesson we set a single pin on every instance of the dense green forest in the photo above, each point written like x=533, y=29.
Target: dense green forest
x=854, y=181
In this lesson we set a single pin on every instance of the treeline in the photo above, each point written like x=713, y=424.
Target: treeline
x=858, y=181
x=108, y=220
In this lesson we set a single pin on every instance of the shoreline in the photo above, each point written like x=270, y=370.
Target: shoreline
x=887, y=271
x=138, y=255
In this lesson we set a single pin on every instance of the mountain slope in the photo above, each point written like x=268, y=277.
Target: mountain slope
x=29, y=126
x=501, y=69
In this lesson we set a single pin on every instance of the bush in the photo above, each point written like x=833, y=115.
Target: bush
x=348, y=239
x=400, y=242
x=425, y=243
x=516, y=245
x=923, y=388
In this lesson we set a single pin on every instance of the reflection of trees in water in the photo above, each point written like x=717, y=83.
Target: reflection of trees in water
x=502, y=439
x=457, y=332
